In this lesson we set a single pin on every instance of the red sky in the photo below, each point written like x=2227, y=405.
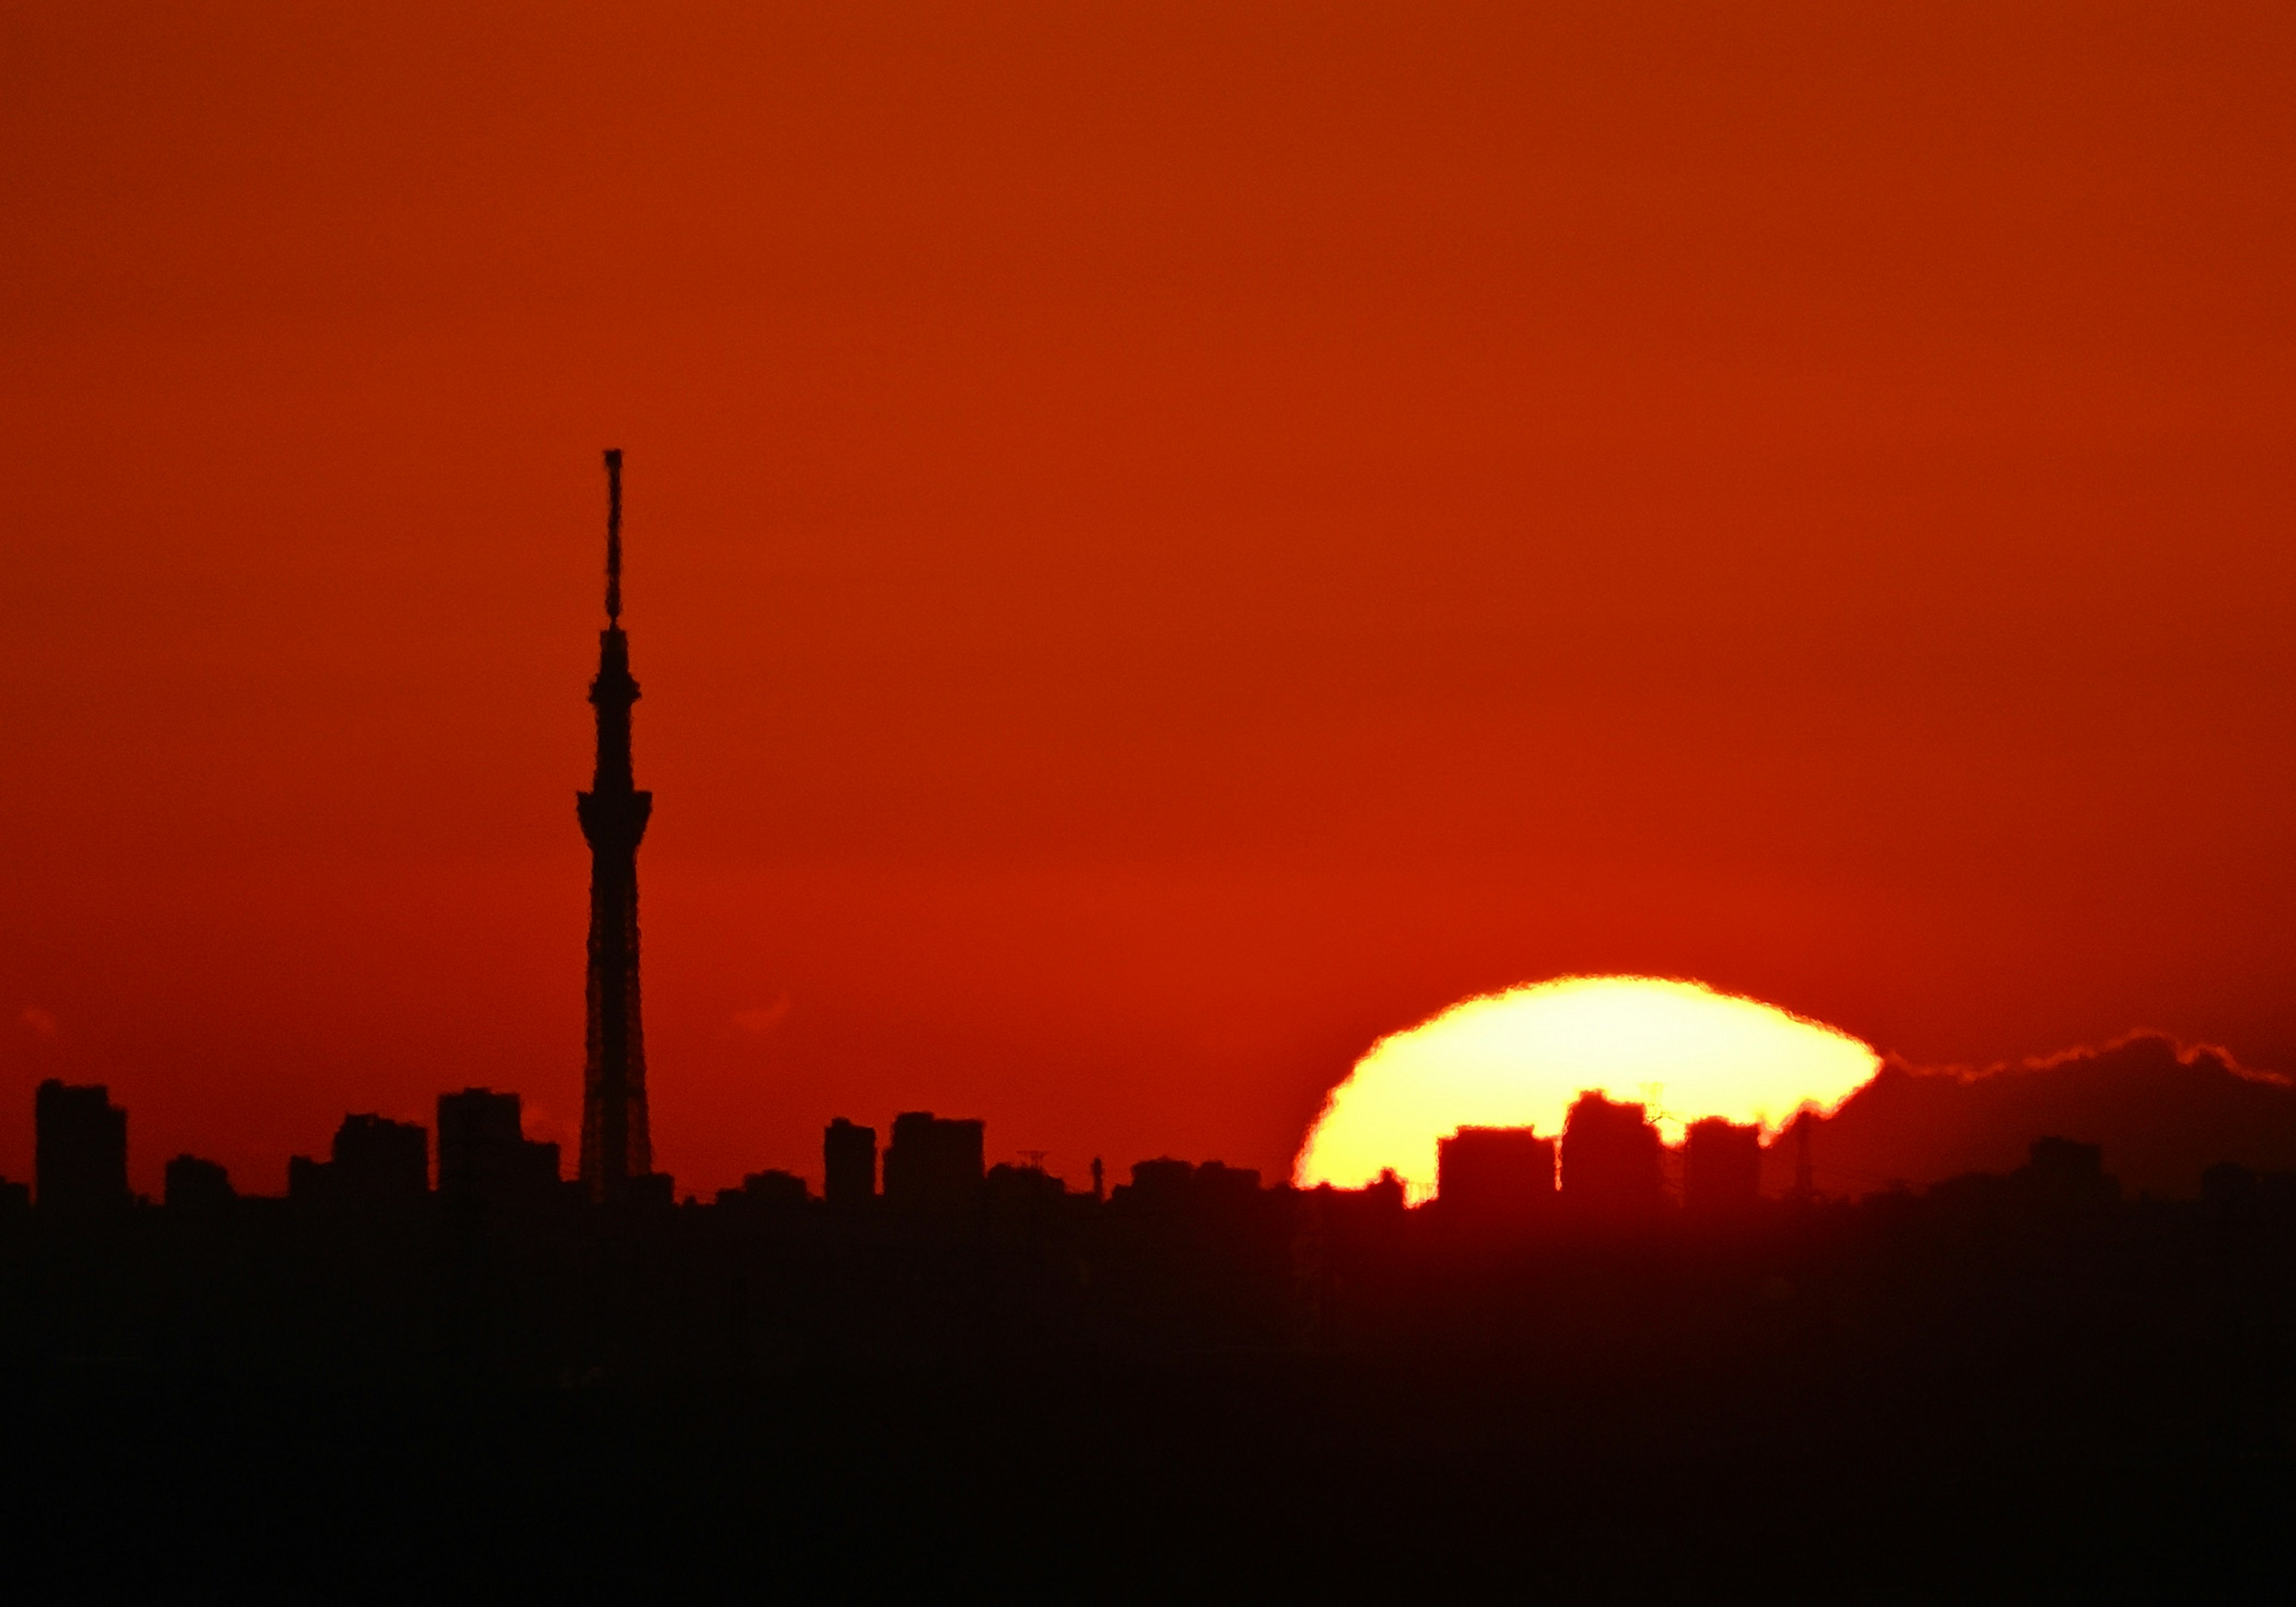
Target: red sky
x=1165, y=541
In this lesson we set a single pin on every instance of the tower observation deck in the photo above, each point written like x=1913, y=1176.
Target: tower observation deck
x=616, y=1145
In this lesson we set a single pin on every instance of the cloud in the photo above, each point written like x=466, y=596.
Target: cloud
x=39, y=1021
x=2164, y=1111
x=757, y=1022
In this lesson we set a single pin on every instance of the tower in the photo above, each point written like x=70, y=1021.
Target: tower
x=616, y=1145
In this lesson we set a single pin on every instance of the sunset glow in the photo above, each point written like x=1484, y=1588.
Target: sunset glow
x=1519, y=1058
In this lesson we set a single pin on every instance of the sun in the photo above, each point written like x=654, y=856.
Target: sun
x=1519, y=1058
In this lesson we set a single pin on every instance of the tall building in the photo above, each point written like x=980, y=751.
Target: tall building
x=933, y=1167
x=617, y=1147
x=1609, y=1160
x=79, y=1161
x=1721, y=1168
x=848, y=1165
x=486, y=1160
x=1494, y=1177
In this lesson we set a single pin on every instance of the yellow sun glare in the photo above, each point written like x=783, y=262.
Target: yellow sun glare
x=1519, y=1058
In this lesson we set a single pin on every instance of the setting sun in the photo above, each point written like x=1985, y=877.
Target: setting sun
x=1519, y=1058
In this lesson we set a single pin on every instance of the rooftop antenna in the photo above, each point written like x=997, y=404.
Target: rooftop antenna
x=613, y=536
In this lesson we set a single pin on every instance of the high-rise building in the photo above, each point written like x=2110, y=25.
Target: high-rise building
x=617, y=1147
x=933, y=1167
x=485, y=1158
x=1609, y=1160
x=848, y=1165
x=79, y=1164
x=1494, y=1177
x=1721, y=1168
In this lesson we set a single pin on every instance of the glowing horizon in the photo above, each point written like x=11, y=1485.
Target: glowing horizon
x=1518, y=1057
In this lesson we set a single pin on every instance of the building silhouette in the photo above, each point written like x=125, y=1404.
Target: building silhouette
x=376, y=1165
x=486, y=1160
x=194, y=1184
x=933, y=1167
x=309, y=1182
x=1721, y=1168
x=2063, y=1174
x=767, y=1191
x=848, y=1165
x=617, y=1144
x=1494, y=1177
x=1017, y=1190
x=1609, y=1160
x=79, y=1164
x=1163, y=1183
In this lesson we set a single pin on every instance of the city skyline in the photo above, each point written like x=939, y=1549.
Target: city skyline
x=1167, y=558
x=1459, y=801
x=615, y=1148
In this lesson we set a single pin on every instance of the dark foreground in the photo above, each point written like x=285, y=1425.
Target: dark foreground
x=2007, y=1462
x=1219, y=1481
x=2006, y=1389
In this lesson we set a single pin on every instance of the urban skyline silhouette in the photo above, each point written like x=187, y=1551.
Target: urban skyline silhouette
x=1463, y=803
x=1658, y=1294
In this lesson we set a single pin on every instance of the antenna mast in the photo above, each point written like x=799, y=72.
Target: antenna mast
x=613, y=536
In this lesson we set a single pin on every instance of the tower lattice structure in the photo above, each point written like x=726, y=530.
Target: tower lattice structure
x=616, y=1144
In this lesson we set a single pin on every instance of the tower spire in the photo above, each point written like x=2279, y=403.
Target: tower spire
x=613, y=535
x=617, y=1145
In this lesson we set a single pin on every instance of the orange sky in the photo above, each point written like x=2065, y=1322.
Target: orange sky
x=1165, y=541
